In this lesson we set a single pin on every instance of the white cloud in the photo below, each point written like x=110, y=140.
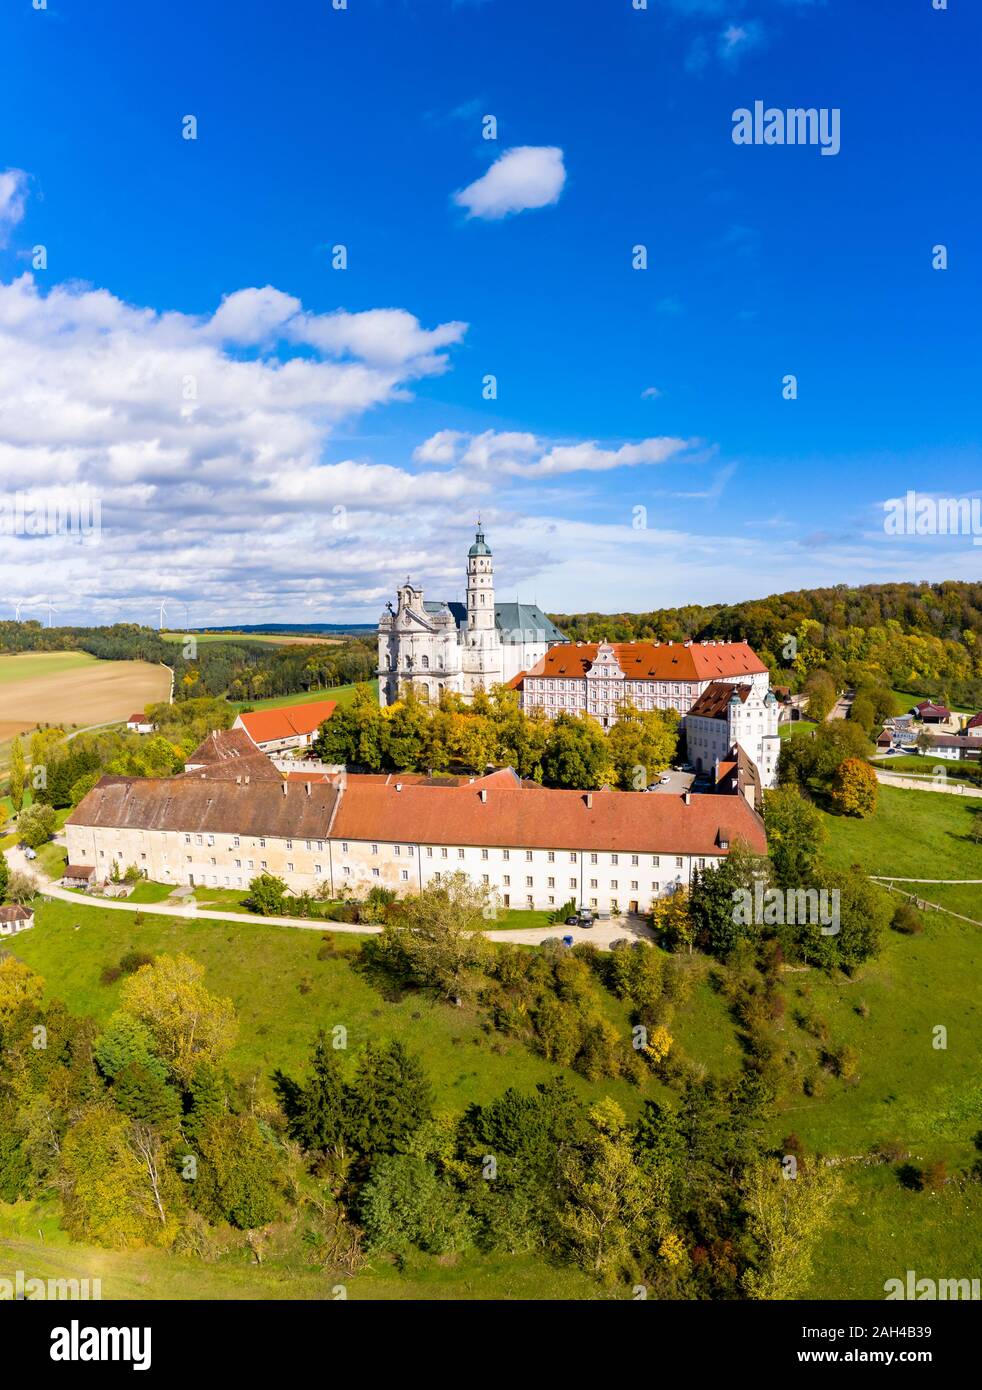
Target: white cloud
x=527, y=456
x=650, y=393
x=210, y=469
x=13, y=198
x=529, y=176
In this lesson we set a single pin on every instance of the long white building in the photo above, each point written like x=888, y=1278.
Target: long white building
x=595, y=678
x=534, y=847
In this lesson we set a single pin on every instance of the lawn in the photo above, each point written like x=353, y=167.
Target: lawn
x=342, y=694
x=915, y=833
x=284, y=993
x=925, y=766
x=31, y=1239
x=797, y=726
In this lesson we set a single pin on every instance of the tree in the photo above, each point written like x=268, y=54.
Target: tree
x=405, y=1204
x=266, y=895
x=437, y=938
x=188, y=1024
x=388, y=1099
x=123, y=1041
x=21, y=887
x=609, y=1197
x=4, y=876
x=238, y=1173
x=672, y=920
x=821, y=694
x=17, y=774
x=81, y=788
x=856, y=789
x=713, y=903
x=316, y=1112
x=795, y=835
x=36, y=825
x=641, y=745
x=575, y=753
x=784, y=1218
x=106, y=1195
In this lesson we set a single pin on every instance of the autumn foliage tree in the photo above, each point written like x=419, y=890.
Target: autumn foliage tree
x=855, y=789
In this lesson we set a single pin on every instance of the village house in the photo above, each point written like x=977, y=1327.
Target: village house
x=139, y=724
x=15, y=918
x=286, y=727
x=534, y=847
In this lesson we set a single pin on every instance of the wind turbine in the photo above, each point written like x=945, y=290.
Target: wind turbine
x=17, y=607
x=50, y=608
x=163, y=613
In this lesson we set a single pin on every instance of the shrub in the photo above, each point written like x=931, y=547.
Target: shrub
x=907, y=920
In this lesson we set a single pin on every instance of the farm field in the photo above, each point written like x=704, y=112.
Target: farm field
x=73, y=688
x=341, y=693
x=269, y=638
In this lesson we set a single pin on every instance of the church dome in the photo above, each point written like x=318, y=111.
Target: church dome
x=480, y=546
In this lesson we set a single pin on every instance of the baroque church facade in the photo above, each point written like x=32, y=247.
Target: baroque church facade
x=461, y=647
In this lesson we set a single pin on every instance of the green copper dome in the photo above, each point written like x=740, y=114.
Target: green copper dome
x=480, y=546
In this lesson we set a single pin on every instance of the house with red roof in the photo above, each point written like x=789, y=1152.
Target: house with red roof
x=285, y=727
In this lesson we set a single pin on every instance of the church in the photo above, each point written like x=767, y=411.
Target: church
x=438, y=645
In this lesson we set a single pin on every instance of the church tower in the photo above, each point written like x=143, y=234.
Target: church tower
x=482, y=662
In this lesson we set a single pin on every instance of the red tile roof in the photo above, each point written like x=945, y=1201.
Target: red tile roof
x=231, y=753
x=190, y=803
x=975, y=722
x=665, y=661
x=713, y=702
x=78, y=871
x=286, y=721
x=543, y=818
x=16, y=913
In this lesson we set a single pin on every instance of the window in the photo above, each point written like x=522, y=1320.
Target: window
x=485, y=879
x=528, y=900
x=289, y=868
x=235, y=841
x=552, y=900
x=375, y=849
x=593, y=883
x=634, y=861
x=484, y=854
x=320, y=844
x=396, y=850
x=213, y=859
x=307, y=845
x=187, y=839
x=238, y=863
x=702, y=863
x=678, y=861
x=528, y=854
x=410, y=850
x=528, y=881
x=404, y=874
x=262, y=844
x=344, y=846
x=426, y=663
x=197, y=840
x=593, y=902
x=507, y=880
x=318, y=869
x=613, y=883
x=443, y=854
x=262, y=863
x=551, y=856
x=551, y=883
x=143, y=856
x=289, y=844
x=613, y=858
x=634, y=885
x=572, y=856
x=375, y=873
x=506, y=854
x=572, y=883
x=429, y=851
x=460, y=854
x=251, y=863
x=593, y=859
x=656, y=860
x=346, y=869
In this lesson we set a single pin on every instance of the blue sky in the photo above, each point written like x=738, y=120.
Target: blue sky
x=328, y=449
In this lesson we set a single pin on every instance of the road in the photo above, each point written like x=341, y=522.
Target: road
x=926, y=784
x=602, y=934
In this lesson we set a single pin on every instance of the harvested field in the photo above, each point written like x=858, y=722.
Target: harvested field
x=73, y=688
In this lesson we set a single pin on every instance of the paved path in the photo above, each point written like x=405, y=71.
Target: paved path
x=601, y=934
x=926, y=784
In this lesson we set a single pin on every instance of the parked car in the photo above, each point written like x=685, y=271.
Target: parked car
x=581, y=919
x=29, y=853
x=665, y=777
